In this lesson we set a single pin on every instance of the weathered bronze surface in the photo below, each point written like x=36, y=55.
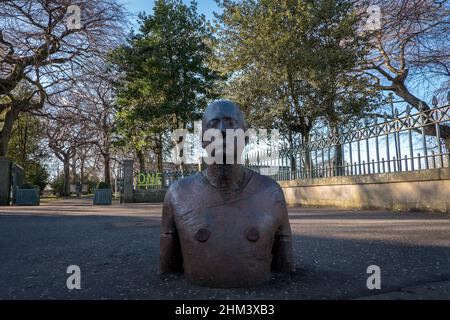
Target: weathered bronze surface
x=226, y=226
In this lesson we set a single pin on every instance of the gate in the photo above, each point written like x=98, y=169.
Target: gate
x=11, y=176
x=17, y=175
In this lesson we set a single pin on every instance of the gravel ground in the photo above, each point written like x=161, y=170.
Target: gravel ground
x=117, y=250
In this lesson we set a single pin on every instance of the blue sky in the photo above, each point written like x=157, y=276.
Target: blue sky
x=206, y=7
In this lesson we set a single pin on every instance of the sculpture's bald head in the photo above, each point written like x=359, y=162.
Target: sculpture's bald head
x=222, y=115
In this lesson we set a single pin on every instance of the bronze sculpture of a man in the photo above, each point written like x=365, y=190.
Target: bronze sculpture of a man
x=226, y=226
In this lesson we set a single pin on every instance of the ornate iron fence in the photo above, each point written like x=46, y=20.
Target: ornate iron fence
x=406, y=141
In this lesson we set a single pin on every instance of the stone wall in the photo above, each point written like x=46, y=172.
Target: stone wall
x=425, y=190
x=149, y=195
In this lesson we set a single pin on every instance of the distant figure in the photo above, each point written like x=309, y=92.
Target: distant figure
x=226, y=226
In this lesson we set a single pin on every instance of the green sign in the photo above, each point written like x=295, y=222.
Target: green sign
x=151, y=179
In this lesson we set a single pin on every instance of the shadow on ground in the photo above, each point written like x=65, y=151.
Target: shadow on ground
x=118, y=257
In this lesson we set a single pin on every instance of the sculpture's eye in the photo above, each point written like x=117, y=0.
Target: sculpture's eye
x=229, y=122
x=214, y=123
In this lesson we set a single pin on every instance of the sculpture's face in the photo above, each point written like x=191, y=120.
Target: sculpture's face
x=224, y=115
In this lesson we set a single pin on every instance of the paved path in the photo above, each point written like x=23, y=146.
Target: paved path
x=117, y=249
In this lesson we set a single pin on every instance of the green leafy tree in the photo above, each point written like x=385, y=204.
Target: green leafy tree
x=291, y=64
x=27, y=149
x=167, y=79
x=140, y=137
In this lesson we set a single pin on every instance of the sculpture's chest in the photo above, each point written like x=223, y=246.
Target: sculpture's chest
x=230, y=222
x=228, y=244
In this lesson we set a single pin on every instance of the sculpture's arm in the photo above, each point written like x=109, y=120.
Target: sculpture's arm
x=171, y=259
x=282, y=260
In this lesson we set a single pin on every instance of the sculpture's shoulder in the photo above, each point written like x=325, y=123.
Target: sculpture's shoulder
x=192, y=193
x=271, y=195
x=184, y=189
x=264, y=184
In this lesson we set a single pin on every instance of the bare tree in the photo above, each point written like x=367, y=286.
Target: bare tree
x=65, y=135
x=84, y=153
x=95, y=96
x=40, y=46
x=412, y=44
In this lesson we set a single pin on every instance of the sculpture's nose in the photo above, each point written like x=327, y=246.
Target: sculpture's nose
x=223, y=128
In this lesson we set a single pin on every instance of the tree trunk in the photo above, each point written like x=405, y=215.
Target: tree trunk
x=159, y=153
x=141, y=159
x=337, y=161
x=107, y=168
x=402, y=91
x=81, y=171
x=74, y=171
x=23, y=156
x=5, y=133
x=307, y=154
x=66, y=186
x=292, y=162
